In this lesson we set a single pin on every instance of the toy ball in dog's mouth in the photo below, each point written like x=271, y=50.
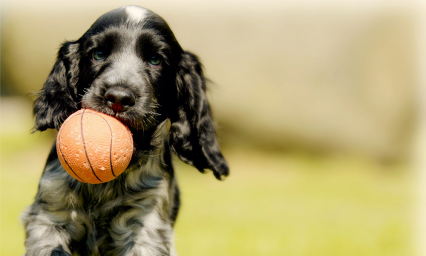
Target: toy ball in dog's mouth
x=94, y=147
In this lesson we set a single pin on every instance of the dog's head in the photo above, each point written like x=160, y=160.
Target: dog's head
x=130, y=65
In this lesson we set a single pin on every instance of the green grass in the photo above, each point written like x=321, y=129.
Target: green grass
x=272, y=204
x=296, y=205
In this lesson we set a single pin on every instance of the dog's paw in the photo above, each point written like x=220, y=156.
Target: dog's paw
x=59, y=251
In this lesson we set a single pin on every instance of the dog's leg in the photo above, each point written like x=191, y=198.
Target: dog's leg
x=150, y=236
x=146, y=228
x=45, y=220
x=44, y=237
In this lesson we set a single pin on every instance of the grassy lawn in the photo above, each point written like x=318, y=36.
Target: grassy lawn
x=272, y=204
x=296, y=205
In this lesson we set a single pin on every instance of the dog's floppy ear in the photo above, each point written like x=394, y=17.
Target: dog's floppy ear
x=58, y=97
x=192, y=132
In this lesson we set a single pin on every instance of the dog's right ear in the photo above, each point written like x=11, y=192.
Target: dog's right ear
x=58, y=98
x=192, y=133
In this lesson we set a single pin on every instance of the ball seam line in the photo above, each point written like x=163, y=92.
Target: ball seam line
x=84, y=146
x=63, y=157
x=129, y=133
x=110, y=150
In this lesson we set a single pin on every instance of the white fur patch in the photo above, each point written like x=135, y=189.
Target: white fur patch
x=73, y=215
x=136, y=14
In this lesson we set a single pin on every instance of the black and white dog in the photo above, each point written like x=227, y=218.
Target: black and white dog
x=128, y=65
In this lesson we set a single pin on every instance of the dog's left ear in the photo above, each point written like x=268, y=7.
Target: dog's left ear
x=192, y=133
x=58, y=97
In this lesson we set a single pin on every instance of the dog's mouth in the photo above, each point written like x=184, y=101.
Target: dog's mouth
x=145, y=131
x=140, y=122
x=136, y=120
x=136, y=109
x=142, y=119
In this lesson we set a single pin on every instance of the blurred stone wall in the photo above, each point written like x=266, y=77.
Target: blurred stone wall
x=318, y=79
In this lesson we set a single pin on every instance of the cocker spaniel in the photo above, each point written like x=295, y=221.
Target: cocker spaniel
x=128, y=65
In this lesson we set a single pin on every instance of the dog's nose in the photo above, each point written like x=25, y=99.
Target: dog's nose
x=119, y=99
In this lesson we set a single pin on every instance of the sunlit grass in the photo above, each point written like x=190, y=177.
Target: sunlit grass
x=296, y=205
x=272, y=204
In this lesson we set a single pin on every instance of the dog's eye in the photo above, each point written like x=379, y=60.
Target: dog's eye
x=99, y=55
x=155, y=60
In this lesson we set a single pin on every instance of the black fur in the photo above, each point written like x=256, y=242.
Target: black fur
x=133, y=214
x=59, y=252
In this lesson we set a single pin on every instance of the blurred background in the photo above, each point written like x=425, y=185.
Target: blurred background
x=318, y=109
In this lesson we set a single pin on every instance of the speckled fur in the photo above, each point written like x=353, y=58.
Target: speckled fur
x=133, y=214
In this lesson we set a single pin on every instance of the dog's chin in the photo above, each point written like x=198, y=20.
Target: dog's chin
x=144, y=141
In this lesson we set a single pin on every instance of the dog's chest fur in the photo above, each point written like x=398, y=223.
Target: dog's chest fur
x=110, y=218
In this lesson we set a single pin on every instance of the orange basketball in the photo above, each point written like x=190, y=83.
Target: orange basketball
x=94, y=147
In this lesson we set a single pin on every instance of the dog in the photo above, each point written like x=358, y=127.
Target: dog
x=129, y=65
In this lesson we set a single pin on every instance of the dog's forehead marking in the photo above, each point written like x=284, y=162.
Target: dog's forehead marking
x=135, y=13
